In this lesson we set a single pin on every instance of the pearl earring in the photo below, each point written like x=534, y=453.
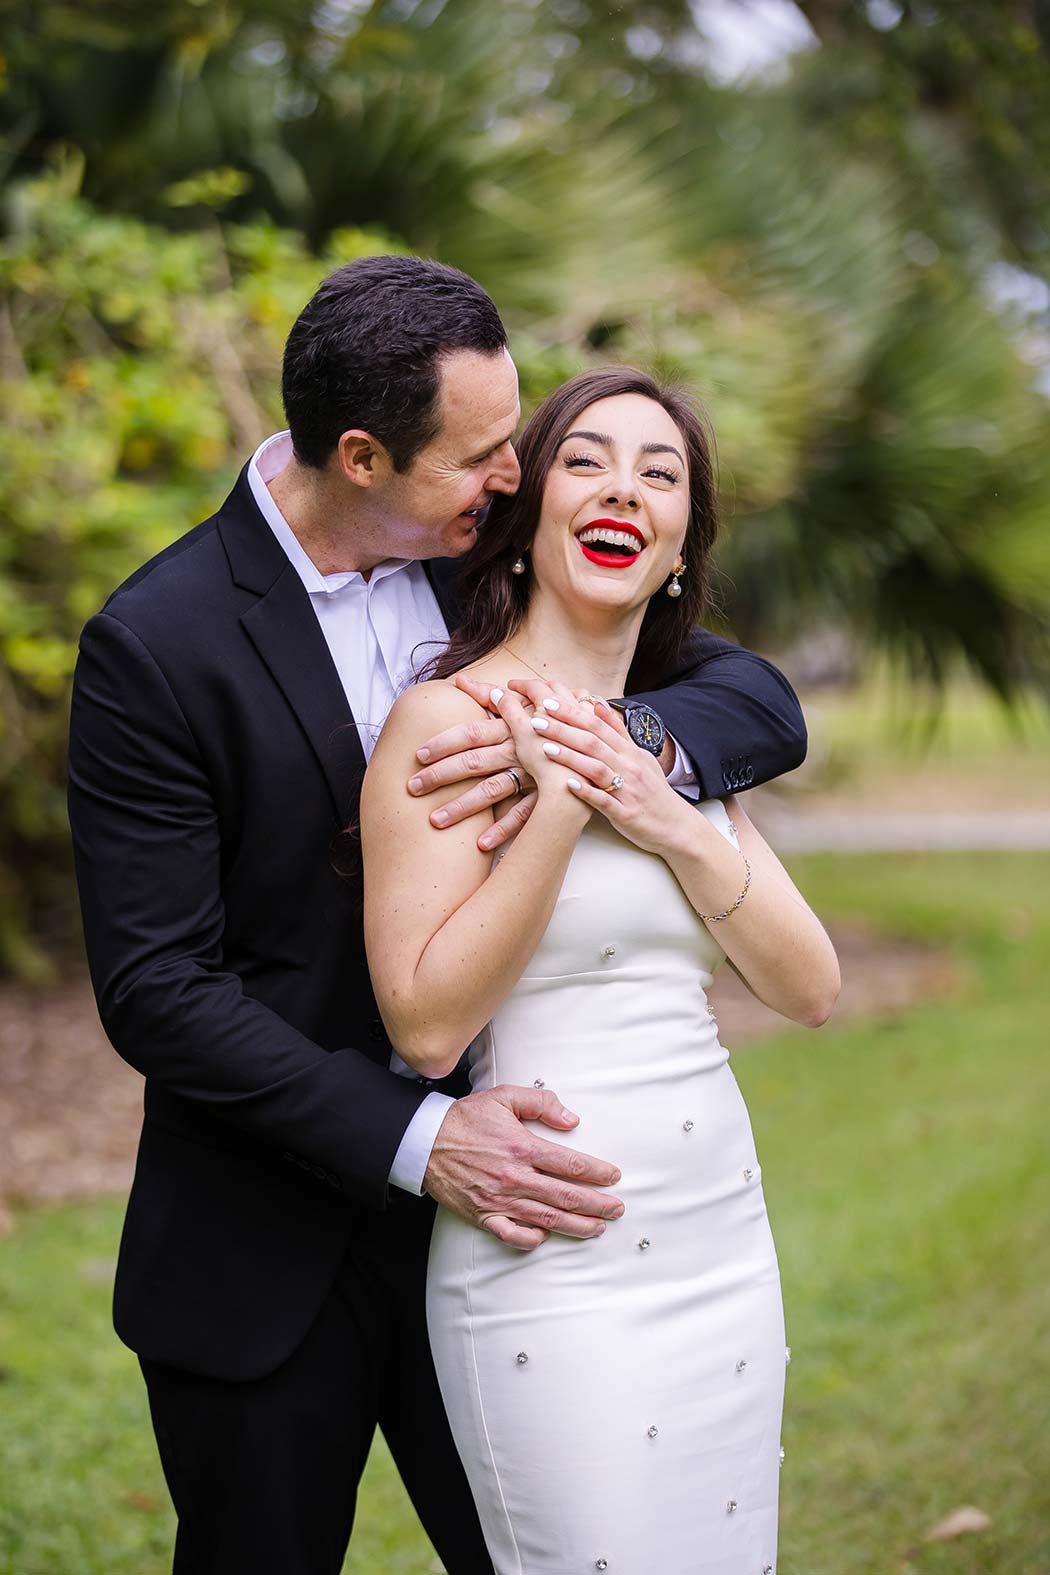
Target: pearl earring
x=518, y=566
x=674, y=589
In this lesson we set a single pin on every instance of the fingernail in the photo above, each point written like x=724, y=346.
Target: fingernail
x=485, y=842
x=552, y=705
x=618, y=1213
x=600, y=1231
x=440, y=817
x=617, y=1174
x=415, y=784
x=567, y=1114
x=495, y=695
x=423, y=755
x=574, y=783
x=541, y=723
x=552, y=750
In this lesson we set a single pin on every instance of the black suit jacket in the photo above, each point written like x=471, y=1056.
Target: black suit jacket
x=213, y=759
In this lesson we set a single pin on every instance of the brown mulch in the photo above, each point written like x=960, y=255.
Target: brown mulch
x=70, y=1109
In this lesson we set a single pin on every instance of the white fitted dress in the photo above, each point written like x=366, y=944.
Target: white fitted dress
x=617, y=1401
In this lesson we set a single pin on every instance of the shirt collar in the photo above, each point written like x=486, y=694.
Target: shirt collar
x=269, y=459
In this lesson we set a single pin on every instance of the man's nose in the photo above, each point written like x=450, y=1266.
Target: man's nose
x=508, y=476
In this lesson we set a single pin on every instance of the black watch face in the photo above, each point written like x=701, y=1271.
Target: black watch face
x=646, y=728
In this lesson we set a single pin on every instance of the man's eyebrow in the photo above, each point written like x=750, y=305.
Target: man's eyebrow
x=606, y=441
x=474, y=458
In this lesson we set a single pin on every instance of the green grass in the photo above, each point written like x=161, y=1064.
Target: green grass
x=905, y=1169
x=895, y=745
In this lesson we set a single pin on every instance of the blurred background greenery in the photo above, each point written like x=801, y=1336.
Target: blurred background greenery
x=831, y=219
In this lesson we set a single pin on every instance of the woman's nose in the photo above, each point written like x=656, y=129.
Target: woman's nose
x=621, y=498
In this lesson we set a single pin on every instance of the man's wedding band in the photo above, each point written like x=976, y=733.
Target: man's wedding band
x=517, y=780
x=615, y=785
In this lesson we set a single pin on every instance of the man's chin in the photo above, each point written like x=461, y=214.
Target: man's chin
x=460, y=537
x=455, y=541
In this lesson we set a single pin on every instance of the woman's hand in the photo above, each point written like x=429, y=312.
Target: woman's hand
x=544, y=768
x=593, y=748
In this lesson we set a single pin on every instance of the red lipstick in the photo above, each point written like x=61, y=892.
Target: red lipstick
x=612, y=560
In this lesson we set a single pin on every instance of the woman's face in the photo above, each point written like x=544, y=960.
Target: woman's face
x=615, y=506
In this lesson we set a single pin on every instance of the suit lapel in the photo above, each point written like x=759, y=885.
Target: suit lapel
x=284, y=629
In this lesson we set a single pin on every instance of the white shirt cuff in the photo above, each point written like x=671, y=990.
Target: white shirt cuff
x=413, y=1154
x=682, y=776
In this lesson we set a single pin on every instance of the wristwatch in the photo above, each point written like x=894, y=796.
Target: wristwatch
x=643, y=724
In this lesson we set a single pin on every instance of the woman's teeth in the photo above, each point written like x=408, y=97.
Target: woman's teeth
x=601, y=535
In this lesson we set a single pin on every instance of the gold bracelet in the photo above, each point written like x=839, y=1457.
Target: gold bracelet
x=716, y=918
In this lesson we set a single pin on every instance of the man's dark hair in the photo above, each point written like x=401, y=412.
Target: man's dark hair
x=365, y=350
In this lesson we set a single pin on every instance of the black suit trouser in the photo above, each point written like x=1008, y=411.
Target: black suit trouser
x=264, y=1474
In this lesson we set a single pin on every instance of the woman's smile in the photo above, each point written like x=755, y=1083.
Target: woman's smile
x=611, y=544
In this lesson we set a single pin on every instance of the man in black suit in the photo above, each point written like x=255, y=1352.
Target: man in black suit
x=272, y=1266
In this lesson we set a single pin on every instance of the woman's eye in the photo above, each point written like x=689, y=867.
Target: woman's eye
x=659, y=470
x=579, y=459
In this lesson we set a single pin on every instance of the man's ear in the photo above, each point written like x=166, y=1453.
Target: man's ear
x=362, y=458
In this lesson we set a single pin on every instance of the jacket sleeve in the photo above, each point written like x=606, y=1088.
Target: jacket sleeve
x=146, y=847
x=735, y=714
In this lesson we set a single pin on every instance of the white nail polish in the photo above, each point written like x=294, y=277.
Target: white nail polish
x=574, y=783
x=540, y=723
x=552, y=750
x=495, y=695
x=552, y=705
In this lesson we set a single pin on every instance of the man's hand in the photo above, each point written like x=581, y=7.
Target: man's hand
x=487, y=1168
x=483, y=748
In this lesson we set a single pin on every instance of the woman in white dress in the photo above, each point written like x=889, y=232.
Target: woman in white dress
x=616, y=1400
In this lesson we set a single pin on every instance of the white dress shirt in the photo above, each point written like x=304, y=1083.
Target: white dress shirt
x=373, y=628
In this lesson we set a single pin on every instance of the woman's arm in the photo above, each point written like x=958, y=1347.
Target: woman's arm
x=774, y=940
x=447, y=934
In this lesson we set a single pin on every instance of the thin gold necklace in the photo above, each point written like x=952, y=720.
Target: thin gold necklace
x=524, y=663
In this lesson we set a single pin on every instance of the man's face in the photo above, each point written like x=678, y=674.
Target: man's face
x=431, y=509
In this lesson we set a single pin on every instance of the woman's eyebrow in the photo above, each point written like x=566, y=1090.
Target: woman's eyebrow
x=661, y=448
x=606, y=441
x=591, y=437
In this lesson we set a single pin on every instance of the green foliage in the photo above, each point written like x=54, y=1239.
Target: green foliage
x=138, y=369
x=958, y=95
x=904, y=1167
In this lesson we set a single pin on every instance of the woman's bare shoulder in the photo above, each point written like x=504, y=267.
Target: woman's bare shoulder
x=423, y=710
x=437, y=700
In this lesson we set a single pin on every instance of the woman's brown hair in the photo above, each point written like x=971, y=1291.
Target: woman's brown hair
x=494, y=599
